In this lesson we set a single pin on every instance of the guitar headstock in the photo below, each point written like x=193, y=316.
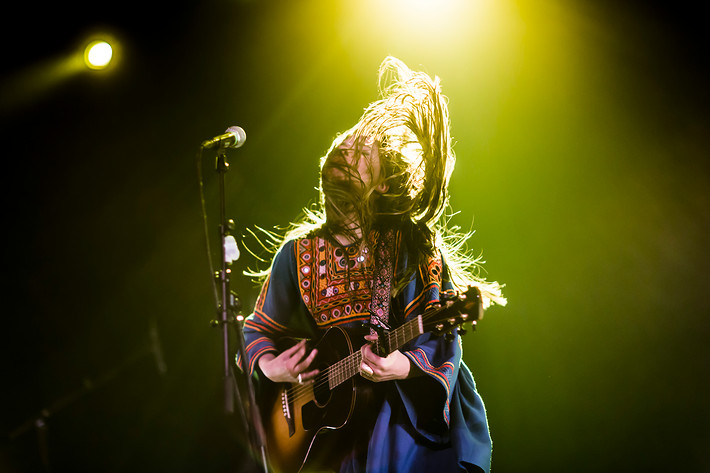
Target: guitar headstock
x=455, y=312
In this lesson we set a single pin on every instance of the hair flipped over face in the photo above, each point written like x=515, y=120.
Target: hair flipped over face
x=410, y=126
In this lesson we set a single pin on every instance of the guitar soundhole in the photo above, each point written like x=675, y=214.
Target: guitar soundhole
x=321, y=391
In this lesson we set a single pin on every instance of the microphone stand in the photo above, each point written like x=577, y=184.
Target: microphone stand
x=230, y=301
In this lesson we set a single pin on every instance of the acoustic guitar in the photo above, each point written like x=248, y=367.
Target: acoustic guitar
x=295, y=414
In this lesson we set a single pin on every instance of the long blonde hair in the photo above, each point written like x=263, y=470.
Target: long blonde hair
x=410, y=124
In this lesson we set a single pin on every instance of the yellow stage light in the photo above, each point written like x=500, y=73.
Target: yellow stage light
x=98, y=54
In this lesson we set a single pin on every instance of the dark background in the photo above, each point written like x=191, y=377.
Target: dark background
x=582, y=144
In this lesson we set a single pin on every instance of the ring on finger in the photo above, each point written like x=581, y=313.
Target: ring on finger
x=366, y=371
x=300, y=378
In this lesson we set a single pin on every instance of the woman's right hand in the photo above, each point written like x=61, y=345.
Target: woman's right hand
x=290, y=365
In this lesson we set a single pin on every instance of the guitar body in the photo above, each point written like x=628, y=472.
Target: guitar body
x=297, y=413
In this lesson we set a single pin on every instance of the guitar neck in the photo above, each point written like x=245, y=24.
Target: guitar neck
x=393, y=340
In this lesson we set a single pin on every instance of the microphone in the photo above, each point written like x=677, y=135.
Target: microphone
x=234, y=137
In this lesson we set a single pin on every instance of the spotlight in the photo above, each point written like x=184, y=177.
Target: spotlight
x=97, y=55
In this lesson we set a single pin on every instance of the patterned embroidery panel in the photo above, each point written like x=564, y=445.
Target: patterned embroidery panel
x=335, y=295
x=431, y=275
x=335, y=283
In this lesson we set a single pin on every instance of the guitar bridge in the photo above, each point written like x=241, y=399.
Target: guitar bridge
x=286, y=407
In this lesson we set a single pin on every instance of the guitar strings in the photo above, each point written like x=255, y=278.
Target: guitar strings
x=344, y=366
x=299, y=391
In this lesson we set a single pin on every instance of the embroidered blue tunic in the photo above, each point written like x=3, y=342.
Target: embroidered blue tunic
x=435, y=422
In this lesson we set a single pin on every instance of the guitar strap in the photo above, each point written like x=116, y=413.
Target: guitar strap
x=382, y=281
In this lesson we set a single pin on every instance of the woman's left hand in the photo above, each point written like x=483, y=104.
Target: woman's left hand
x=375, y=368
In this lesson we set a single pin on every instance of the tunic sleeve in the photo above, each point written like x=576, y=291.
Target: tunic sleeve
x=279, y=309
x=427, y=399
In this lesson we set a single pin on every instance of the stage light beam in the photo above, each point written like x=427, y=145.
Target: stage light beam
x=98, y=55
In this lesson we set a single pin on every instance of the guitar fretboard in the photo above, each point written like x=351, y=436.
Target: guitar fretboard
x=349, y=366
